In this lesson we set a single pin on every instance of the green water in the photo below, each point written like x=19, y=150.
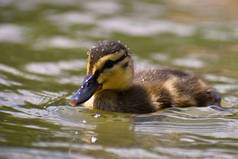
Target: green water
x=42, y=61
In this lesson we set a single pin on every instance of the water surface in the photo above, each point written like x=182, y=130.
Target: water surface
x=43, y=51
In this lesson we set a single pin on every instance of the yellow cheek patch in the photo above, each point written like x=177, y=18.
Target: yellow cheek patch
x=88, y=66
x=117, y=77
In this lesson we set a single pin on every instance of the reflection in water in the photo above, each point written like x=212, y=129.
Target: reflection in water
x=138, y=26
x=72, y=18
x=189, y=62
x=61, y=42
x=41, y=154
x=13, y=71
x=42, y=49
x=53, y=69
x=198, y=124
x=12, y=33
x=7, y=82
x=102, y=7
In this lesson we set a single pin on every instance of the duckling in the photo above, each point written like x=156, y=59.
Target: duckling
x=112, y=85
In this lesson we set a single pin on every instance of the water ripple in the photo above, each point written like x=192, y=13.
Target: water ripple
x=60, y=42
x=17, y=72
x=145, y=27
x=54, y=68
x=15, y=153
x=12, y=33
x=206, y=122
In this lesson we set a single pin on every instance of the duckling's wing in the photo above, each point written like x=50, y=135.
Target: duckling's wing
x=168, y=87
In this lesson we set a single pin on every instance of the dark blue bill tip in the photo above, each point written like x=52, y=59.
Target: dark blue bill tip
x=86, y=91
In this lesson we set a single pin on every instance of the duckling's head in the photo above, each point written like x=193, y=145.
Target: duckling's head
x=109, y=67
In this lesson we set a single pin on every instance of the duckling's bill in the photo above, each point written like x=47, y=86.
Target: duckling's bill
x=88, y=88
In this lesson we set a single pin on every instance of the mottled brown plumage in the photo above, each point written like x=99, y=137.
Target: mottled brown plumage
x=120, y=89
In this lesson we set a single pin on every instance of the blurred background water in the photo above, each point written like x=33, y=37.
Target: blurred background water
x=42, y=61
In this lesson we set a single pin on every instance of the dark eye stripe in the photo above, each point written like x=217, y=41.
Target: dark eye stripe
x=110, y=63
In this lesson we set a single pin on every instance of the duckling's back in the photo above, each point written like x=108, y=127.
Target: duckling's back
x=166, y=88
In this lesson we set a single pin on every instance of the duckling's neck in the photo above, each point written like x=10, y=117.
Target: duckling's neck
x=107, y=97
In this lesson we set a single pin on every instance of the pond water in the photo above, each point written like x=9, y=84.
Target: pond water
x=42, y=61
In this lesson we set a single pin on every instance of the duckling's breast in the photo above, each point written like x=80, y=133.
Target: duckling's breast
x=133, y=100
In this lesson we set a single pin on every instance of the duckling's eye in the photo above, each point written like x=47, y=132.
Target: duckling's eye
x=109, y=64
